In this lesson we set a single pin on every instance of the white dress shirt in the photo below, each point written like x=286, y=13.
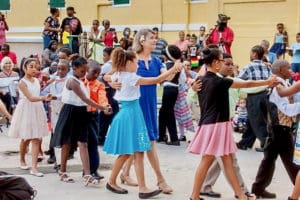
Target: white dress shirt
x=283, y=104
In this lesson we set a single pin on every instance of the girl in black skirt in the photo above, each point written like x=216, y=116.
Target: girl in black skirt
x=71, y=128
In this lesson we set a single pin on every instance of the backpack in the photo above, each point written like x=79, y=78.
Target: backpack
x=15, y=188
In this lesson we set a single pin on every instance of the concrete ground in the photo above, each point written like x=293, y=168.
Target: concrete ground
x=177, y=165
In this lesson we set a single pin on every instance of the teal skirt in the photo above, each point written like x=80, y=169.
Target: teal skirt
x=127, y=133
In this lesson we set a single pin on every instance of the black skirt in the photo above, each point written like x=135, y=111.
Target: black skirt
x=72, y=126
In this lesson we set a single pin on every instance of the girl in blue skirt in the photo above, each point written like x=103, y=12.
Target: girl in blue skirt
x=128, y=133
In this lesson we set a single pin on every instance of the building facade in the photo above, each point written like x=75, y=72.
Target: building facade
x=251, y=20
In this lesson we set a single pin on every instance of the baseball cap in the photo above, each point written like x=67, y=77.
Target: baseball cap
x=202, y=28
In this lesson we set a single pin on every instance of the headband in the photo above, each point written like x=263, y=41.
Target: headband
x=169, y=55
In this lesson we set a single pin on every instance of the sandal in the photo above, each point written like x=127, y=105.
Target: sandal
x=87, y=179
x=64, y=177
x=289, y=198
x=164, y=187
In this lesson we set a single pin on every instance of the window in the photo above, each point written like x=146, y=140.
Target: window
x=121, y=2
x=5, y=5
x=57, y=3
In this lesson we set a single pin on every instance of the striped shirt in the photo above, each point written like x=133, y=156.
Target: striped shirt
x=160, y=45
x=256, y=70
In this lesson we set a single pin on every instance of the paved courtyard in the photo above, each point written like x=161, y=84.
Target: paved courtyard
x=177, y=165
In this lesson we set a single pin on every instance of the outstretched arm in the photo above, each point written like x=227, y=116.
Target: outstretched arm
x=283, y=92
x=271, y=82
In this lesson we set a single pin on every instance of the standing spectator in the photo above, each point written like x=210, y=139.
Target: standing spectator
x=126, y=40
x=96, y=46
x=50, y=54
x=76, y=28
x=66, y=35
x=182, y=44
x=3, y=28
x=222, y=35
x=193, y=51
x=295, y=52
x=5, y=51
x=256, y=106
x=269, y=57
x=108, y=35
x=280, y=40
x=201, y=37
x=51, y=27
x=160, y=45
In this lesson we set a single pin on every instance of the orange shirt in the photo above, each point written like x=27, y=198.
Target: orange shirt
x=97, y=93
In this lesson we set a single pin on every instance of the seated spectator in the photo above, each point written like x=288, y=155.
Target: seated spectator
x=242, y=115
x=5, y=51
x=6, y=68
x=50, y=54
x=7, y=83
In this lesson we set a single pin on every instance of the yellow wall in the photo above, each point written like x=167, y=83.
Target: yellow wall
x=251, y=20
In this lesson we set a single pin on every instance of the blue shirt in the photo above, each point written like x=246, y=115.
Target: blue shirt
x=296, y=53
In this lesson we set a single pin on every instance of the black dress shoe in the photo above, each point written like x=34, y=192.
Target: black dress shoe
x=241, y=147
x=175, y=143
x=162, y=139
x=97, y=176
x=265, y=195
x=149, y=194
x=211, y=194
x=110, y=188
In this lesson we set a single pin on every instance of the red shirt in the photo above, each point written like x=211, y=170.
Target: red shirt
x=227, y=36
x=109, y=39
x=12, y=56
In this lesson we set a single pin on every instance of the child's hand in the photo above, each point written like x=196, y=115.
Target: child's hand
x=48, y=97
x=116, y=85
x=54, y=97
x=197, y=85
x=107, y=110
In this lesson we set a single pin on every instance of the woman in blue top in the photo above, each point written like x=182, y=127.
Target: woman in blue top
x=150, y=66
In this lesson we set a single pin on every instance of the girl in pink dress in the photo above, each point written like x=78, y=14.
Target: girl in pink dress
x=3, y=28
x=29, y=122
x=214, y=135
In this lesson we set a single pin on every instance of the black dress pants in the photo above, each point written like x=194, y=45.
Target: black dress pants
x=283, y=145
x=166, y=113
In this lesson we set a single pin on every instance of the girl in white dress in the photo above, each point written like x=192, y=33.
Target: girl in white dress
x=29, y=122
